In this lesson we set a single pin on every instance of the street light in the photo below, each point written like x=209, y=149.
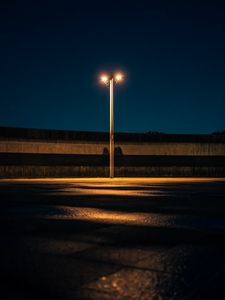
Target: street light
x=109, y=80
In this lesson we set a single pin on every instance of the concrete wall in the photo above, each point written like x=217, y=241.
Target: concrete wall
x=76, y=147
x=49, y=153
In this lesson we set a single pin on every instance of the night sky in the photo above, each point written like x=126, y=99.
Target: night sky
x=172, y=53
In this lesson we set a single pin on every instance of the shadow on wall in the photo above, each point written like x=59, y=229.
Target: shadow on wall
x=117, y=151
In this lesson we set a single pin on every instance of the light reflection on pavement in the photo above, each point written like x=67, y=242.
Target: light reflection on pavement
x=113, y=239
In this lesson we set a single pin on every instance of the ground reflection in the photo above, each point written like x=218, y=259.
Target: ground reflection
x=113, y=239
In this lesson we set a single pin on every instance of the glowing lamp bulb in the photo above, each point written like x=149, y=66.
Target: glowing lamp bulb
x=119, y=77
x=104, y=79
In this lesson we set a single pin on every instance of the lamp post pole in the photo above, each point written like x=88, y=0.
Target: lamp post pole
x=109, y=80
x=111, y=143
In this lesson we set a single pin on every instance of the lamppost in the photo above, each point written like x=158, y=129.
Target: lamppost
x=109, y=80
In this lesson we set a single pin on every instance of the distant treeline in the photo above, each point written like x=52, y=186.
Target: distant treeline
x=89, y=136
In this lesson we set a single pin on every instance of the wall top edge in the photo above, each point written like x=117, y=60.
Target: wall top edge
x=45, y=135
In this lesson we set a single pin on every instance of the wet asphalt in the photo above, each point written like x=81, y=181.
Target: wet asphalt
x=112, y=239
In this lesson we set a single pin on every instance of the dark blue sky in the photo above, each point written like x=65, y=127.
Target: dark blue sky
x=173, y=54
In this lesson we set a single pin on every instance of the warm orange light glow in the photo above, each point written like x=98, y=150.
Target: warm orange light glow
x=104, y=79
x=119, y=77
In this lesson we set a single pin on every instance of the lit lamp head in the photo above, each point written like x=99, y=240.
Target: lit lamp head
x=104, y=79
x=118, y=77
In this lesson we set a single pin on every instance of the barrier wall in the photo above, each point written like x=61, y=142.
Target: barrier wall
x=99, y=148
x=54, y=153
